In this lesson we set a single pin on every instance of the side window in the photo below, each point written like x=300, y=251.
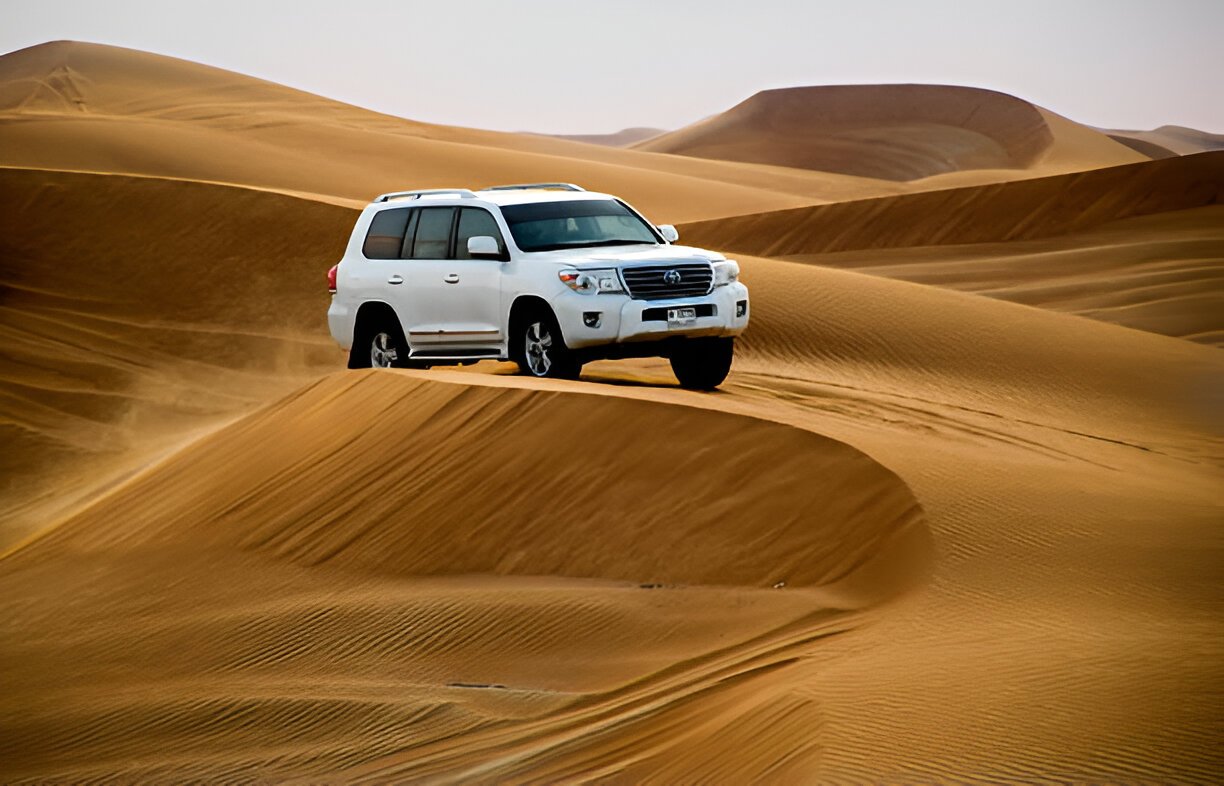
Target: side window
x=474, y=222
x=386, y=235
x=433, y=233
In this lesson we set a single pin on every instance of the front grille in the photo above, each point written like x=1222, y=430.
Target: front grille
x=649, y=282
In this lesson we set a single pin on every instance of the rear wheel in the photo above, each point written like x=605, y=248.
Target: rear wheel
x=702, y=363
x=379, y=344
x=540, y=348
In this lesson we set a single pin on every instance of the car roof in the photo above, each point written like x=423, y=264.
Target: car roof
x=518, y=196
x=529, y=195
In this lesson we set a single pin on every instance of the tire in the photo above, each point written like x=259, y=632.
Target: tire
x=378, y=343
x=539, y=348
x=703, y=363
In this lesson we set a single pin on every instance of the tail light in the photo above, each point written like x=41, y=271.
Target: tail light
x=331, y=279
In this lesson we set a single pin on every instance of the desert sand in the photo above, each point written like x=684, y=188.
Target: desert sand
x=954, y=516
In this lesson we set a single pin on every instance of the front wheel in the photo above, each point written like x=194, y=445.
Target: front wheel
x=541, y=350
x=702, y=363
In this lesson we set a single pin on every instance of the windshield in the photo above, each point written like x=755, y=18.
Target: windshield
x=548, y=226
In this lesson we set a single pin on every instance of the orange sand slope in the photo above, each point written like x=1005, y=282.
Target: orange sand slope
x=88, y=107
x=505, y=454
x=1163, y=273
x=891, y=132
x=387, y=577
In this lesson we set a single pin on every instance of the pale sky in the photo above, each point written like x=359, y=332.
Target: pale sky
x=583, y=67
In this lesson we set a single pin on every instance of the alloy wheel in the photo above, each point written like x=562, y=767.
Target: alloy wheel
x=536, y=347
x=383, y=353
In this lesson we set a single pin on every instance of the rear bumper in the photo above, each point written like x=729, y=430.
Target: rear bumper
x=625, y=320
x=340, y=323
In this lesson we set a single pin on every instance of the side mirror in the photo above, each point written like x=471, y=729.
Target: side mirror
x=483, y=247
x=668, y=232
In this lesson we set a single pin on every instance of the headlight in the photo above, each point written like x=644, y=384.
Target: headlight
x=726, y=272
x=592, y=282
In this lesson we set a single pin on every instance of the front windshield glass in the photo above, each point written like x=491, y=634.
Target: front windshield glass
x=548, y=226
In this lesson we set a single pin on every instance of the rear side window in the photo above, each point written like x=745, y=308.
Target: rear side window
x=474, y=222
x=433, y=233
x=386, y=236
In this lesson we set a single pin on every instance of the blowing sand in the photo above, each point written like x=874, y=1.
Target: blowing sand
x=920, y=534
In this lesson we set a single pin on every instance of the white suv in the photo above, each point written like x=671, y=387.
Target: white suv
x=547, y=275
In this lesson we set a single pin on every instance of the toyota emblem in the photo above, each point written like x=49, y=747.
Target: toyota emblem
x=671, y=278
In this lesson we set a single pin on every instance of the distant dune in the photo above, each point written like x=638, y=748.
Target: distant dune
x=1177, y=140
x=94, y=108
x=1019, y=210
x=891, y=132
x=921, y=534
x=623, y=138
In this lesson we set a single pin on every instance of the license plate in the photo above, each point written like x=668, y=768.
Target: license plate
x=679, y=317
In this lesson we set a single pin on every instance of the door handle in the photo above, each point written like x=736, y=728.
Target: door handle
x=396, y=279
x=453, y=278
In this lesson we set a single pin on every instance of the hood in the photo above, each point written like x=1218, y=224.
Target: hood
x=618, y=256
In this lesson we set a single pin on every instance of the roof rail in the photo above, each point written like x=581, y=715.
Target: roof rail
x=463, y=193
x=541, y=186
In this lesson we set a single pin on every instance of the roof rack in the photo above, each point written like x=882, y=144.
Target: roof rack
x=463, y=193
x=534, y=186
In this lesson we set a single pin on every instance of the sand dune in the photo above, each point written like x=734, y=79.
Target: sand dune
x=623, y=138
x=344, y=480
x=1162, y=273
x=1175, y=140
x=891, y=132
x=1021, y=210
x=93, y=108
x=1159, y=273
x=920, y=535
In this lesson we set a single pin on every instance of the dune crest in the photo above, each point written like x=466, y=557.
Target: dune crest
x=387, y=472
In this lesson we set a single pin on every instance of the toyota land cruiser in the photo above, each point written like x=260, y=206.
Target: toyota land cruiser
x=545, y=274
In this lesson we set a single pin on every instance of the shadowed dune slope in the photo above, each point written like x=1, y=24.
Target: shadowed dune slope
x=384, y=471
x=892, y=132
x=1144, y=146
x=89, y=107
x=1162, y=273
x=1020, y=210
x=134, y=310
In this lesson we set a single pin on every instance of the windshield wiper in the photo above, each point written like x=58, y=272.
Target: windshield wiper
x=614, y=242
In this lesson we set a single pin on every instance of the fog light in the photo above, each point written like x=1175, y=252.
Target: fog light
x=741, y=308
x=592, y=318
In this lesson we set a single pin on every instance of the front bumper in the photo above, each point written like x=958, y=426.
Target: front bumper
x=623, y=319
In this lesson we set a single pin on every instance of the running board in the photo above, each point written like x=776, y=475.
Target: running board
x=481, y=354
